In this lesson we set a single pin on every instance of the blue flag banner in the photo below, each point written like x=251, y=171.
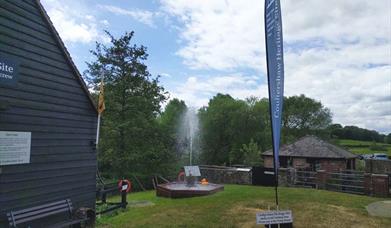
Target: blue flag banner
x=275, y=70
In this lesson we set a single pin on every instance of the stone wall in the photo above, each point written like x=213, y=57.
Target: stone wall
x=226, y=175
x=376, y=184
x=332, y=165
x=268, y=161
x=301, y=163
x=378, y=166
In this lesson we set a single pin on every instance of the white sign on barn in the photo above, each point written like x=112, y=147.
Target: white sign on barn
x=14, y=147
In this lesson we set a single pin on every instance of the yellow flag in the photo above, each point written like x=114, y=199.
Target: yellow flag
x=101, y=102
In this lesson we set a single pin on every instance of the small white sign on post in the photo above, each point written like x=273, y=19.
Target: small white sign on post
x=124, y=187
x=192, y=171
x=14, y=147
x=274, y=217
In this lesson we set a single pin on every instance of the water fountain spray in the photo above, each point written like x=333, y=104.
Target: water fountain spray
x=190, y=130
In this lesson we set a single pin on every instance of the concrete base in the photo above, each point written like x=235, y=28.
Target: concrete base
x=380, y=208
x=180, y=190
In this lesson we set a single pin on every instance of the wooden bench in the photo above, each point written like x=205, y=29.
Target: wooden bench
x=27, y=215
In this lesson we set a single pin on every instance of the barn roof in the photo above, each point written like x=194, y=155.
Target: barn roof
x=313, y=147
x=66, y=54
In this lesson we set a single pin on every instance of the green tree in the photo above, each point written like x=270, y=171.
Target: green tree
x=252, y=154
x=303, y=115
x=357, y=133
x=335, y=130
x=221, y=124
x=131, y=139
x=227, y=124
x=170, y=122
x=388, y=138
x=170, y=118
x=262, y=135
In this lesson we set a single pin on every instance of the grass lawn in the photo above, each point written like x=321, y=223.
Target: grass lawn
x=236, y=207
x=362, y=147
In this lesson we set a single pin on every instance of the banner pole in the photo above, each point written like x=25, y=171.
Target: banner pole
x=101, y=108
x=275, y=76
x=276, y=186
x=97, y=131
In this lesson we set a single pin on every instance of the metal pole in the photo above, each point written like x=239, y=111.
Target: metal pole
x=97, y=131
x=99, y=114
x=276, y=182
x=278, y=225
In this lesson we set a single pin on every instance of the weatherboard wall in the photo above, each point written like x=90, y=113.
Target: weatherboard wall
x=51, y=102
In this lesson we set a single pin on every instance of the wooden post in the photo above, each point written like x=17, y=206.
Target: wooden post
x=124, y=203
x=104, y=197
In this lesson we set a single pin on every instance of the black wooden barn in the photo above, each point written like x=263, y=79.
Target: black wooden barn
x=43, y=95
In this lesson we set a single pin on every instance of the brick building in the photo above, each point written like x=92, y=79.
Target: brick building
x=312, y=153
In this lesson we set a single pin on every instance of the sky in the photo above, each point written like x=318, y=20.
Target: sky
x=336, y=51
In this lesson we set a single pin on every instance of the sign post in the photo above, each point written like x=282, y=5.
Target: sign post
x=275, y=75
x=191, y=175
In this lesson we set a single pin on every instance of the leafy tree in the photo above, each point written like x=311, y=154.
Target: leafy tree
x=252, y=154
x=171, y=123
x=388, y=138
x=335, y=130
x=262, y=135
x=303, y=115
x=131, y=139
x=227, y=124
x=221, y=124
x=173, y=112
x=357, y=133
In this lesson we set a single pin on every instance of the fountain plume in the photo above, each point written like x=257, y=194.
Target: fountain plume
x=189, y=135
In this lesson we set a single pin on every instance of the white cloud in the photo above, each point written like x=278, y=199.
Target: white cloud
x=143, y=16
x=219, y=34
x=336, y=20
x=336, y=51
x=166, y=75
x=105, y=22
x=73, y=22
x=197, y=90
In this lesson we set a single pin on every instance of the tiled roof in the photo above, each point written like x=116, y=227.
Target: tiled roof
x=312, y=146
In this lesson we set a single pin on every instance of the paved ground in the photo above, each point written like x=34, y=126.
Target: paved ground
x=380, y=208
